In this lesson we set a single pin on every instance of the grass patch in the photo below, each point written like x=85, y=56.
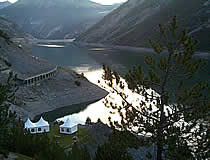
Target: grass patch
x=78, y=83
x=85, y=137
x=65, y=140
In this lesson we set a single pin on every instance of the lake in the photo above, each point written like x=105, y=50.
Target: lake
x=89, y=61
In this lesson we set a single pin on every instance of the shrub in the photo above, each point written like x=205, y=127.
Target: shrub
x=78, y=83
x=5, y=36
x=79, y=153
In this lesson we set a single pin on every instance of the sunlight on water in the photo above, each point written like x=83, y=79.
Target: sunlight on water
x=97, y=49
x=82, y=63
x=50, y=46
x=95, y=110
x=98, y=109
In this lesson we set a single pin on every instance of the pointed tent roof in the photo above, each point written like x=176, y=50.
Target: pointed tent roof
x=67, y=124
x=29, y=124
x=41, y=123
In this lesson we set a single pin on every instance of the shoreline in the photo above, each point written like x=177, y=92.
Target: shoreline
x=51, y=116
x=117, y=47
x=44, y=97
x=57, y=93
x=47, y=95
x=131, y=49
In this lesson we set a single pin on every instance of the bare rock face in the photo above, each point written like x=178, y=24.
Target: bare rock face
x=55, y=19
x=134, y=22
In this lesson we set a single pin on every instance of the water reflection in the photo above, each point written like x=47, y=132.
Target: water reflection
x=88, y=61
x=69, y=55
x=97, y=109
x=50, y=45
x=97, y=49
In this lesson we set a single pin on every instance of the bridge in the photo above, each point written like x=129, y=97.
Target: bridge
x=40, y=77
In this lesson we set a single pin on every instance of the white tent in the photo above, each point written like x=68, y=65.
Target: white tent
x=30, y=126
x=68, y=128
x=42, y=126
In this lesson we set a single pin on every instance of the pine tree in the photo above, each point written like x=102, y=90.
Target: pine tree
x=85, y=153
x=88, y=121
x=7, y=118
x=174, y=107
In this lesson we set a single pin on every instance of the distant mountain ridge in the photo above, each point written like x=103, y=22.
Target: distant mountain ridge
x=133, y=23
x=4, y=4
x=55, y=19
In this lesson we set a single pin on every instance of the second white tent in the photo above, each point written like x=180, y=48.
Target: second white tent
x=68, y=127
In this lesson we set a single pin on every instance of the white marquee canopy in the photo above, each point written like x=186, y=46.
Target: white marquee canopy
x=68, y=127
x=29, y=124
x=41, y=123
x=39, y=127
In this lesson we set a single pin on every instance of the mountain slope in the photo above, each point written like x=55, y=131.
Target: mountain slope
x=47, y=95
x=136, y=21
x=55, y=18
x=4, y=4
x=11, y=29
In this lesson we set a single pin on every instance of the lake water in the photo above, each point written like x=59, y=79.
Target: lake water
x=88, y=61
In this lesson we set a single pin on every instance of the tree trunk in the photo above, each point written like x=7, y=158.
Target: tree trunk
x=159, y=152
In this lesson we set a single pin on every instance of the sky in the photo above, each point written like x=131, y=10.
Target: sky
x=105, y=2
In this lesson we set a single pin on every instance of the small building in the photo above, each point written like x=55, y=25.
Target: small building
x=42, y=126
x=68, y=128
x=30, y=126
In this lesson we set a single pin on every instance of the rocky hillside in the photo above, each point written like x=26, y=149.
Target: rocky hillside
x=4, y=4
x=55, y=18
x=136, y=21
x=64, y=89
x=11, y=29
